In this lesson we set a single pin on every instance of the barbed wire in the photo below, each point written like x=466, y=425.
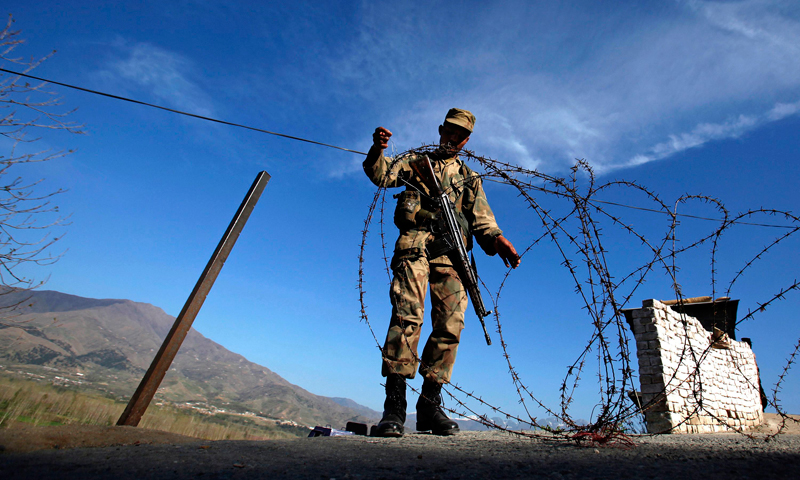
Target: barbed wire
x=578, y=237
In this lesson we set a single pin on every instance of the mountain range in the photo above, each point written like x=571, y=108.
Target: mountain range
x=107, y=345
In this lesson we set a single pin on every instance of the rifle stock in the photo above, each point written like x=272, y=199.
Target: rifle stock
x=452, y=235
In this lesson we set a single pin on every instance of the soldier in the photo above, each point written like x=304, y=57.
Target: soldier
x=413, y=271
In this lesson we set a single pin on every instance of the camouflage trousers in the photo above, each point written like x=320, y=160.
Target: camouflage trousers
x=448, y=303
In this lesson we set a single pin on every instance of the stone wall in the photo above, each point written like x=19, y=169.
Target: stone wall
x=687, y=386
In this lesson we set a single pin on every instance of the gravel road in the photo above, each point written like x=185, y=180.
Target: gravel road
x=467, y=455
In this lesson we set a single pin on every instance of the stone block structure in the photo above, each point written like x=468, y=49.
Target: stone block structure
x=686, y=385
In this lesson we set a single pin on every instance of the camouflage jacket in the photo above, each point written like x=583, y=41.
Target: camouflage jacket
x=464, y=187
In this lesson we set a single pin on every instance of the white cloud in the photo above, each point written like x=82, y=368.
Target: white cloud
x=701, y=134
x=783, y=110
x=164, y=74
x=346, y=167
x=552, y=83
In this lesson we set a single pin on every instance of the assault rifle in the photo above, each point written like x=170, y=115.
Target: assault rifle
x=448, y=234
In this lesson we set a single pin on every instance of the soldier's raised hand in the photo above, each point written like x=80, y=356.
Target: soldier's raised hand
x=380, y=139
x=506, y=251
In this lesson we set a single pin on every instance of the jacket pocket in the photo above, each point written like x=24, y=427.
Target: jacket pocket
x=405, y=214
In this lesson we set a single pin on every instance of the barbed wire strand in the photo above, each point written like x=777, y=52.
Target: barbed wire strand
x=179, y=112
x=306, y=140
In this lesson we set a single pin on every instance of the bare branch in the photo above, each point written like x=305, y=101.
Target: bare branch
x=27, y=215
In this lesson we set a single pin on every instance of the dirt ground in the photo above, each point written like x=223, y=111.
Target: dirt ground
x=20, y=439
x=121, y=453
x=29, y=439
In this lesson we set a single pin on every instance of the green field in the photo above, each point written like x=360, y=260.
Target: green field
x=30, y=402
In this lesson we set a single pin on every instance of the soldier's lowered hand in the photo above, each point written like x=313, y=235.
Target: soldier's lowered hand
x=506, y=251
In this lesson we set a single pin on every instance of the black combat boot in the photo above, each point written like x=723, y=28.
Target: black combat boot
x=430, y=416
x=394, y=408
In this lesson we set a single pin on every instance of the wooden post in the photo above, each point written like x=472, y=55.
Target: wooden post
x=166, y=354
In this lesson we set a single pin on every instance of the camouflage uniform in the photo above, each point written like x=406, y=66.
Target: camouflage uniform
x=413, y=270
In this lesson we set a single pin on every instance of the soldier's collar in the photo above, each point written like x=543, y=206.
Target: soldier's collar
x=448, y=160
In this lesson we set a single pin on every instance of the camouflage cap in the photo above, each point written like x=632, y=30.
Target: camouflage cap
x=460, y=117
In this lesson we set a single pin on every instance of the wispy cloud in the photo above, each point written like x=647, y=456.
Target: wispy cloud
x=164, y=74
x=701, y=134
x=616, y=86
x=707, y=132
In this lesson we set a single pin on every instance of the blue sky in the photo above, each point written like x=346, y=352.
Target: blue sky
x=682, y=97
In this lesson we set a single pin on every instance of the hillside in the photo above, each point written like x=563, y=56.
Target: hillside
x=106, y=345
